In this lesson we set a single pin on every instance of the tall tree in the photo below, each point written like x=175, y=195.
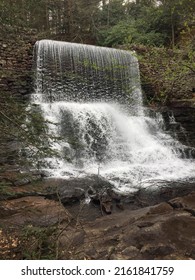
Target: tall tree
x=174, y=15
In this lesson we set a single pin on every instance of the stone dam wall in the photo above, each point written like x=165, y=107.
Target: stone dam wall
x=16, y=56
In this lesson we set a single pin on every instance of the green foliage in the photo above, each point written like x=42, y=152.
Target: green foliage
x=24, y=133
x=119, y=34
x=168, y=73
x=38, y=242
x=108, y=23
x=130, y=32
x=110, y=14
x=172, y=17
x=4, y=190
x=51, y=17
x=145, y=22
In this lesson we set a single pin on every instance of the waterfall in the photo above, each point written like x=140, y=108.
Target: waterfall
x=91, y=97
x=83, y=73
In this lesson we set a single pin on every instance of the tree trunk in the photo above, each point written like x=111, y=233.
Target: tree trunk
x=172, y=32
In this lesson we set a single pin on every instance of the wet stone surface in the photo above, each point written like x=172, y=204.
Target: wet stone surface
x=93, y=222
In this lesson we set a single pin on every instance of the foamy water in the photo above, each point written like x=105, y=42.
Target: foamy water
x=92, y=100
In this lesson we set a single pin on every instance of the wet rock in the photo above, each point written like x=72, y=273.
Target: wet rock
x=163, y=192
x=74, y=190
x=183, y=103
x=22, y=182
x=106, y=204
x=144, y=228
x=156, y=232
x=161, y=208
x=184, y=114
x=187, y=203
x=71, y=195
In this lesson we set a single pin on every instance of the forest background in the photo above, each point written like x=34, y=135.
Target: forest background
x=107, y=23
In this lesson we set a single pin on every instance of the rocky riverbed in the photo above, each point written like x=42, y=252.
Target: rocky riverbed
x=86, y=219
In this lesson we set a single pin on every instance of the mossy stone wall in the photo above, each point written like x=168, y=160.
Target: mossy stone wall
x=16, y=59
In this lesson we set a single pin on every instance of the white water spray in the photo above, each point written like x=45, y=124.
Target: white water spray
x=92, y=99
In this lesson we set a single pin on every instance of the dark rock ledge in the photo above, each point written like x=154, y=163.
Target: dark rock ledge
x=93, y=222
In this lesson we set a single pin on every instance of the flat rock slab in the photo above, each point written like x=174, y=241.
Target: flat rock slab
x=156, y=232
x=144, y=225
x=36, y=211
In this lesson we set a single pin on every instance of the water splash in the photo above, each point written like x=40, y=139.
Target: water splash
x=92, y=99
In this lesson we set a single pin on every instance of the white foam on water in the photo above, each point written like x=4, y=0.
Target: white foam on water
x=135, y=149
x=92, y=100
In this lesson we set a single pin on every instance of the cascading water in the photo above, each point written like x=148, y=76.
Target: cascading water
x=92, y=99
